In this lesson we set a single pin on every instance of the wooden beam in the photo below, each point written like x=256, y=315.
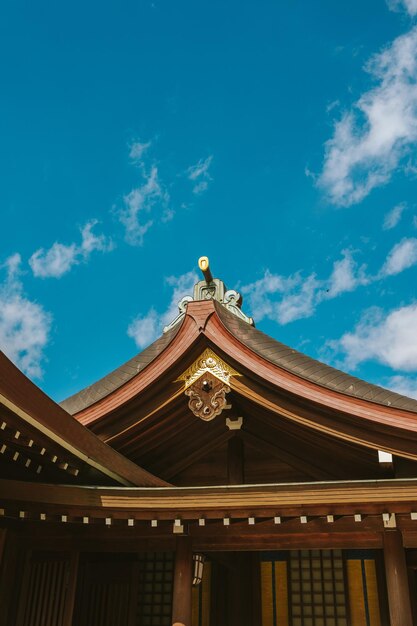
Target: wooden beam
x=301, y=464
x=191, y=457
x=397, y=579
x=183, y=578
x=236, y=461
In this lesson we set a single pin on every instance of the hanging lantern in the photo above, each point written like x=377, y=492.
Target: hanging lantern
x=198, y=560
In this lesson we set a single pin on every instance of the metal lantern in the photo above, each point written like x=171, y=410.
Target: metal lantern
x=198, y=560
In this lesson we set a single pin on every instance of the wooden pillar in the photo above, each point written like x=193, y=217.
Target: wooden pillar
x=397, y=579
x=183, y=580
x=71, y=588
x=235, y=461
x=3, y=533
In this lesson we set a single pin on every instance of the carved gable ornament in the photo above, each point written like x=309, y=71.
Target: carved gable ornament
x=206, y=384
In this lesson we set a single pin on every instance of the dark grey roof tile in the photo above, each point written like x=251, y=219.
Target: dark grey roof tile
x=309, y=368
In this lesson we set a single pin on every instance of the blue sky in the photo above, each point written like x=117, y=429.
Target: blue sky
x=278, y=138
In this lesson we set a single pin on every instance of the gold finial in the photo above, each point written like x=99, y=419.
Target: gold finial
x=203, y=264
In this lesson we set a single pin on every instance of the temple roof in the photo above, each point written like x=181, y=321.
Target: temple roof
x=242, y=328
x=118, y=377
x=35, y=429
x=310, y=369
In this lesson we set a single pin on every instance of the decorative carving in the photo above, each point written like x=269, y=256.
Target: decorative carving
x=182, y=306
x=211, y=289
x=214, y=290
x=233, y=302
x=207, y=397
x=208, y=362
x=206, y=384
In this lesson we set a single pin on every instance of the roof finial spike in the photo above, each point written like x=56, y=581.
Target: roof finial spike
x=211, y=289
x=204, y=265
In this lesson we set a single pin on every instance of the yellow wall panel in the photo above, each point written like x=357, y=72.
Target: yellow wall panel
x=267, y=594
x=372, y=587
x=356, y=599
x=281, y=593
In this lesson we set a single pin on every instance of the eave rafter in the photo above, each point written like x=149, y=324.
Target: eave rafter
x=54, y=434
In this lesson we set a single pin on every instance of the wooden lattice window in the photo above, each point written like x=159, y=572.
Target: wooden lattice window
x=317, y=588
x=155, y=590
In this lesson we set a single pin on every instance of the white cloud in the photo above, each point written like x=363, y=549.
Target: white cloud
x=285, y=299
x=370, y=141
x=402, y=256
x=300, y=303
x=390, y=339
x=199, y=174
x=144, y=329
x=55, y=262
x=24, y=325
x=409, y=5
x=346, y=276
x=393, y=217
x=60, y=258
x=282, y=298
x=138, y=203
x=403, y=384
x=137, y=150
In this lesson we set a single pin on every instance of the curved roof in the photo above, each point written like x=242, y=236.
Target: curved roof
x=265, y=346
x=308, y=368
x=115, y=379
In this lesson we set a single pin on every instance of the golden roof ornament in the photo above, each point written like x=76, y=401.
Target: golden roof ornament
x=206, y=383
x=211, y=289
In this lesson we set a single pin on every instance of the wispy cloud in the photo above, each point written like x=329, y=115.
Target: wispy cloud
x=402, y=256
x=409, y=5
x=285, y=299
x=146, y=328
x=393, y=217
x=199, y=174
x=371, y=139
x=346, y=276
x=137, y=150
x=406, y=385
x=388, y=338
x=136, y=215
x=24, y=324
x=60, y=258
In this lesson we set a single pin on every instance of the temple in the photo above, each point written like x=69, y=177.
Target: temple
x=218, y=478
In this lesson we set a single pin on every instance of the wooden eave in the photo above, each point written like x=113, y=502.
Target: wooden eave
x=31, y=413
x=263, y=383
x=193, y=503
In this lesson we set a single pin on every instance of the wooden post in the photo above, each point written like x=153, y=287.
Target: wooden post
x=235, y=461
x=71, y=588
x=3, y=533
x=397, y=579
x=183, y=580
